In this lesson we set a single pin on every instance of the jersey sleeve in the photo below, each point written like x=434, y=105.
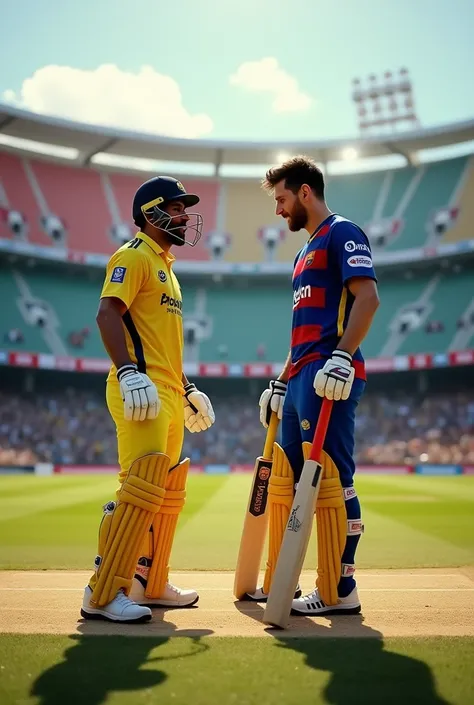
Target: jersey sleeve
x=351, y=248
x=127, y=272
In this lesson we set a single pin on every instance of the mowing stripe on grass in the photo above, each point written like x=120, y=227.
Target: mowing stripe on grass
x=395, y=544
x=23, y=486
x=102, y=490
x=209, y=539
x=459, y=487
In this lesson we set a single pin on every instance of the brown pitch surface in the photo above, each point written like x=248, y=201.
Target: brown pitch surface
x=424, y=602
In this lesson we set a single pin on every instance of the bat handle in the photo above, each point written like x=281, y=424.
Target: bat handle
x=271, y=436
x=321, y=429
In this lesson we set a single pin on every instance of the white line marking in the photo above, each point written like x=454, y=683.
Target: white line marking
x=156, y=610
x=228, y=589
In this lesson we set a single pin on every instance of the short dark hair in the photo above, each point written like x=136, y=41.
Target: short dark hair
x=296, y=172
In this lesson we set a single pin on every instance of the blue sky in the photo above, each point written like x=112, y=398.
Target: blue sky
x=49, y=62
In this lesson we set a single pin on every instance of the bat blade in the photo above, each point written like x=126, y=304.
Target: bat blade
x=256, y=520
x=293, y=548
x=298, y=530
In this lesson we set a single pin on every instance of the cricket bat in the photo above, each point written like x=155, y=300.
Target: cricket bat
x=256, y=519
x=298, y=530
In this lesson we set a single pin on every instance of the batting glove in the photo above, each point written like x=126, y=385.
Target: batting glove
x=334, y=380
x=198, y=412
x=139, y=394
x=272, y=399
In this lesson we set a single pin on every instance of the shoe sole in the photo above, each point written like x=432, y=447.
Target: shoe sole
x=166, y=603
x=329, y=611
x=103, y=617
x=249, y=598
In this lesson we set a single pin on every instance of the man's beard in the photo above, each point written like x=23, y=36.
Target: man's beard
x=298, y=217
x=178, y=231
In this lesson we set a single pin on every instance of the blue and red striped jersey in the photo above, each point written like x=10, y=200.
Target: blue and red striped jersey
x=337, y=251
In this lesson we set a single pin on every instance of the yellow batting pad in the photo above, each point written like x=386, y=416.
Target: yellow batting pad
x=280, y=499
x=331, y=521
x=164, y=528
x=122, y=532
x=306, y=450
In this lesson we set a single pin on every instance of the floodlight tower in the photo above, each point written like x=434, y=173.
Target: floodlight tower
x=384, y=103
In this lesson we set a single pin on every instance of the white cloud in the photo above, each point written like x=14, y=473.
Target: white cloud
x=145, y=101
x=266, y=76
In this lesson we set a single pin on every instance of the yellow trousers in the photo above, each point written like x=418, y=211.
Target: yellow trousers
x=135, y=439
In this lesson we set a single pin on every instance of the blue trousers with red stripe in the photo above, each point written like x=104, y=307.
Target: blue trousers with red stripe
x=300, y=415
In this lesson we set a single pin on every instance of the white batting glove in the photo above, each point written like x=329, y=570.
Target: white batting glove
x=140, y=396
x=198, y=412
x=334, y=380
x=272, y=399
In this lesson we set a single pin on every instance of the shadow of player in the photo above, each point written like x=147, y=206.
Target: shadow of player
x=99, y=664
x=362, y=670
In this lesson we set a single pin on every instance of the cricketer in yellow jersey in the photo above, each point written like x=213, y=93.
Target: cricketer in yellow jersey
x=150, y=401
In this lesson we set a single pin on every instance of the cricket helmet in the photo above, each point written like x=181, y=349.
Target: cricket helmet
x=148, y=203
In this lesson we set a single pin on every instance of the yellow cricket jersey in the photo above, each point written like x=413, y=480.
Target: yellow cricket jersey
x=140, y=275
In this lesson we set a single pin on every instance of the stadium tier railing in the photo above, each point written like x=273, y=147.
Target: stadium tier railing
x=48, y=469
x=210, y=267
x=258, y=370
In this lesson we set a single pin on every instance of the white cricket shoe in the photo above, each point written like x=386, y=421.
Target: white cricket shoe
x=313, y=606
x=171, y=596
x=260, y=596
x=121, y=609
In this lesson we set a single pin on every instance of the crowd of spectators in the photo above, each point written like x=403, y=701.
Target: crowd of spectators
x=409, y=429
x=74, y=427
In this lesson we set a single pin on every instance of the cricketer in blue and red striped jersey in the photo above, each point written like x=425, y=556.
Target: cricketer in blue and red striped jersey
x=334, y=301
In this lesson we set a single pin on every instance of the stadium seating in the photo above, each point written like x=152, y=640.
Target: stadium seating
x=249, y=213
x=232, y=320
x=450, y=298
x=436, y=189
x=94, y=206
x=90, y=205
x=463, y=228
x=261, y=315
x=11, y=317
x=354, y=196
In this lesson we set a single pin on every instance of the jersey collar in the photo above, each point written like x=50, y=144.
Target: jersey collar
x=156, y=248
x=320, y=226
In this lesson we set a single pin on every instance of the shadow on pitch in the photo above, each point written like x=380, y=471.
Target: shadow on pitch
x=362, y=670
x=99, y=663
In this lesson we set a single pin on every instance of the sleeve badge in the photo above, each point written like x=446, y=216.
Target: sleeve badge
x=118, y=275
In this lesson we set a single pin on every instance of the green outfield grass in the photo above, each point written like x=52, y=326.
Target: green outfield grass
x=50, y=670
x=410, y=521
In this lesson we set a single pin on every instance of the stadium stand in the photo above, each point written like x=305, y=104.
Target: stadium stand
x=73, y=426
x=354, y=196
x=426, y=312
x=430, y=188
x=229, y=320
x=82, y=209
x=256, y=233
x=463, y=227
x=87, y=210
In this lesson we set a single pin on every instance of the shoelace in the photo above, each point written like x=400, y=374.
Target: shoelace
x=172, y=588
x=122, y=598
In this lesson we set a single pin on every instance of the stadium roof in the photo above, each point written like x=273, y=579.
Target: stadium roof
x=87, y=141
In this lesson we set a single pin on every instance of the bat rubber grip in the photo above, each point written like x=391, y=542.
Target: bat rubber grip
x=321, y=429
